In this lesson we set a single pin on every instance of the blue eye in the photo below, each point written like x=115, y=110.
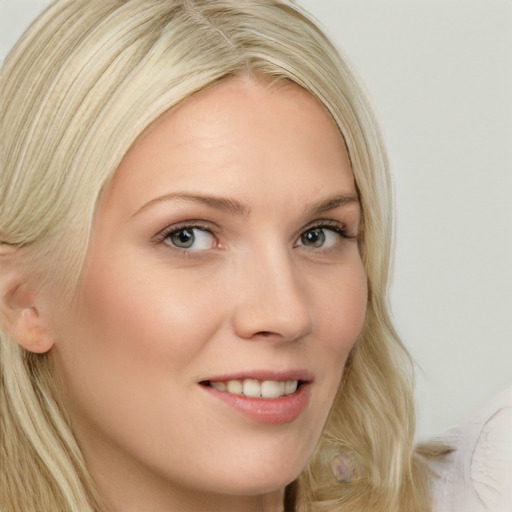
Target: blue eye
x=190, y=239
x=320, y=237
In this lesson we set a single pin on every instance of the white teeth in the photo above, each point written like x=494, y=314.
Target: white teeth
x=255, y=388
x=235, y=386
x=290, y=386
x=272, y=389
x=251, y=387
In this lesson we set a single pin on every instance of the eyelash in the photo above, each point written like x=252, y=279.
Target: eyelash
x=330, y=225
x=175, y=228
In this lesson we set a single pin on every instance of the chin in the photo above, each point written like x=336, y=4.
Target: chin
x=249, y=486
x=257, y=479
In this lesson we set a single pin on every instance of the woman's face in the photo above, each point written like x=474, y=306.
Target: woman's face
x=223, y=260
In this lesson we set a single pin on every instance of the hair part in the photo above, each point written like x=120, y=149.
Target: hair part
x=81, y=86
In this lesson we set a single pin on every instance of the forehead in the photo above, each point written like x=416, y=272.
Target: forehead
x=233, y=138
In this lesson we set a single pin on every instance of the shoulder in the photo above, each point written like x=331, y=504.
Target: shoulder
x=477, y=475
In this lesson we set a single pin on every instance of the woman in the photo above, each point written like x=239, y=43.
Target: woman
x=195, y=234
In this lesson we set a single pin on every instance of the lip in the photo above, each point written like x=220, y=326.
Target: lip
x=268, y=411
x=299, y=374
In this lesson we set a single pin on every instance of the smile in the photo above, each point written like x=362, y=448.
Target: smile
x=270, y=402
x=255, y=388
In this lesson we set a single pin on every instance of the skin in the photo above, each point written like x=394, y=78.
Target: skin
x=253, y=292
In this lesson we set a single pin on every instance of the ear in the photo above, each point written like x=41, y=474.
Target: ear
x=20, y=314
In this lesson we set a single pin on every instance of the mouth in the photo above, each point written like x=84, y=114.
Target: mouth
x=269, y=399
x=255, y=388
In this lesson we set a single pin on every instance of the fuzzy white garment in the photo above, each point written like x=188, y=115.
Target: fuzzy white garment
x=477, y=475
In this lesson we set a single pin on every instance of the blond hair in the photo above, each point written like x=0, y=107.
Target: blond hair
x=83, y=83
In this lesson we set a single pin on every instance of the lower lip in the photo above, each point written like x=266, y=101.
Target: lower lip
x=269, y=411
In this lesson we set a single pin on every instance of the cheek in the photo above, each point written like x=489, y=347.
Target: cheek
x=126, y=353
x=149, y=312
x=132, y=330
x=342, y=311
x=343, y=307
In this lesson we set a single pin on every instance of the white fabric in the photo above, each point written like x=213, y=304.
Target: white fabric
x=477, y=475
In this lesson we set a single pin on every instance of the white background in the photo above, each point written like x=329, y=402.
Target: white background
x=440, y=74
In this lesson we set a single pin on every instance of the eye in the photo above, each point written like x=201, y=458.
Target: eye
x=321, y=237
x=190, y=239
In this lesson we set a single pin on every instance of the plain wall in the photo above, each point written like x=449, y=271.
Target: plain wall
x=440, y=74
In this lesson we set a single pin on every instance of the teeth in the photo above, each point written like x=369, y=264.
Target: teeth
x=255, y=388
x=235, y=386
x=251, y=387
x=220, y=386
x=290, y=386
x=272, y=389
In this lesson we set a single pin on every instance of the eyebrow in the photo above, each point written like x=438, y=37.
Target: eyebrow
x=240, y=209
x=216, y=202
x=331, y=203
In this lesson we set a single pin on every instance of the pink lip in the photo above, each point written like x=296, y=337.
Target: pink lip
x=302, y=375
x=268, y=411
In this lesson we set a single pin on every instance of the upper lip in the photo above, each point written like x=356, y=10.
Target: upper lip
x=302, y=375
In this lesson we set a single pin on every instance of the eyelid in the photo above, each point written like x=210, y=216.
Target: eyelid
x=331, y=224
x=188, y=224
x=338, y=234
x=334, y=225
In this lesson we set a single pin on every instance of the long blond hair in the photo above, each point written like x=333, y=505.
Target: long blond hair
x=83, y=83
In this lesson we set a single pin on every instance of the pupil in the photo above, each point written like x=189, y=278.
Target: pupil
x=183, y=238
x=314, y=238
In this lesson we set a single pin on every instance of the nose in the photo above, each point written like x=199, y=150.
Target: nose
x=272, y=300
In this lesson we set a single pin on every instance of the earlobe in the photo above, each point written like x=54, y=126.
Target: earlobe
x=19, y=315
x=28, y=329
